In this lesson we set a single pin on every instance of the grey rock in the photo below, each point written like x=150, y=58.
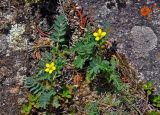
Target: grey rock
x=21, y=101
x=144, y=40
x=3, y=44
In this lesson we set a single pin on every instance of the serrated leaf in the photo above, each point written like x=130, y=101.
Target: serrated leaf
x=114, y=63
x=59, y=26
x=66, y=93
x=79, y=62
x=26, y=109
x=44, y=98
x=55, y=102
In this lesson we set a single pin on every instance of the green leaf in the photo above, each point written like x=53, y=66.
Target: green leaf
x=32, y=98
x=113, y=63
x=92, y=109
x=148, y=86
x=96, y=66
x=60, y=26
x=149, y=92
x=44, y=98
x=88, y=33
x=55, y=102
x=60, y=62
x=26, y=109
x=79, y=62
x=34, y=86
x=66, y=93
x=84, y=48
x=153, y=113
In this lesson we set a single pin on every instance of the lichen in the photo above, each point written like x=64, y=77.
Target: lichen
x=15, y=39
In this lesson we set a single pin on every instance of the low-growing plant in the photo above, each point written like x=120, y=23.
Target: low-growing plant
x=32, y=103
x=89, y=59
x=92, y=109
x=110, y=100
x=148, y=88
x=32, y=1
x=153, y=112
x=156, y=101
x=43, y=84
x=88, y=50
x=153, y=99
x=66, y=92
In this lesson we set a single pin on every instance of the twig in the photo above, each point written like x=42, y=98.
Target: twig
x=43, y=34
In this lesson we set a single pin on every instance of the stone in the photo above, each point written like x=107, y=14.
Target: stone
x=3, y=44
x=15, y=37
x=144, y=40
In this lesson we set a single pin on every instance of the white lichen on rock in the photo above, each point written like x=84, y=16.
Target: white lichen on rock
x=144, y=40
x=15, y=39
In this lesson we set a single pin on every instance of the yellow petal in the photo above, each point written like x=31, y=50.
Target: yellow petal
x=97, y=38
x=54, y=68
x=47, y=70
x=95, y=34
x=103, y=34
x=99, y=31
x=47, y=65
x=50, y=71
x=52, y=64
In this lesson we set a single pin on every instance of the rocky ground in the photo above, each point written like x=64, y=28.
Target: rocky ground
x=138, y=38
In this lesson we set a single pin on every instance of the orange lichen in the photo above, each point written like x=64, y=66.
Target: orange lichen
x=145, y=11
x=77, y=79
x=82, y=17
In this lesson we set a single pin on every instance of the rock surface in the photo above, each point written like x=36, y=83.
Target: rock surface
x=12, y=72
x=144, y=40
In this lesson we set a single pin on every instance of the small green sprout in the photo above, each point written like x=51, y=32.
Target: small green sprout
x=66, y=92
x=148, y=87
x=32, y=102
x=156, y=101
x=153, y=112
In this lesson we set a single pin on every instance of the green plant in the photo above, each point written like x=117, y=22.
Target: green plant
x=114, y=77
x=109, y=100
x=60, y=28
x=153, y=112
x=32, y=1
x=88, y=51
x=156, y=101
x=148, y=88
x=32, y=103
x=66, y=93
x=42, y=85
x=92, y=109
x=88, y=58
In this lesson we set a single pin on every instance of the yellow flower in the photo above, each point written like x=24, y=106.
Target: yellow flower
x=99, y=34
x=50, y=67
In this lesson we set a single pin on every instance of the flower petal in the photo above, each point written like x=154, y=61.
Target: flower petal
x=47, y=65
x=95, y=34
x=103, y=34
x=97, y=38
x=52, y=64
x=99, y=31
x=47, y=70
x=54, y=68
x=50, y=71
